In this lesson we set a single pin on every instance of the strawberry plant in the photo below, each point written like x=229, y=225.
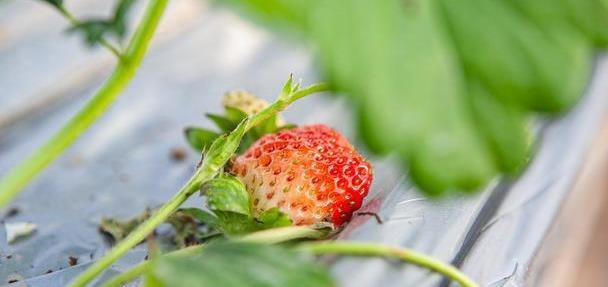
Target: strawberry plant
x=322, y=180
x=448, y=87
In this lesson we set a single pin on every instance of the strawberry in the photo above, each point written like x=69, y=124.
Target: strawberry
x=310, y=173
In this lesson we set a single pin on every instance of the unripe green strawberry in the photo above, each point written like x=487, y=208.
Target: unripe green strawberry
x=311, y=173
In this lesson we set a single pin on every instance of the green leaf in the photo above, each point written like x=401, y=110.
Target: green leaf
x=120, y=17
x=225, y=124
x=406, y=65
x=238, y=264
x=273, y=218
x=200, y=138
x=229, y=200
x=288, y=16
x=590, y=17
x=227, y=193
x=94, y=30
x=200, y=215
x=536, y=63
x=287, y=127
x=56, y=3
x=234, y=114
x=504, y=127
x=268, y=126
x=247, y=141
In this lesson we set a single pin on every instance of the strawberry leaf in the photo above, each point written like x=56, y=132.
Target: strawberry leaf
x=410, y=69
x=230, y=202
x=200, y=138
x=267, y=127
x=95, y=30
x=235, y=105
x=223, y=123
x=200, y=215
x=273, y=218
x=227, y=194
x=247, y=141
x=56, y=3
x=229, y=264
x=234, y=114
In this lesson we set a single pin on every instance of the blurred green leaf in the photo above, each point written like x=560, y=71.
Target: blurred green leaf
x=449, y=86
x=223, y=123
x=238, y=264
x=268, y=126
x=95, y=29
x=200, y=215
x=56, y=3
x=234, y=114
x=591, y=17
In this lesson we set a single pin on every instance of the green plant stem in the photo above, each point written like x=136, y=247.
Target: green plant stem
x=270, y=236
x=282, y=234
x=219, y=153
x=127, y=276
x=140, y=233
x=18, y=177
x=372, y=249
x=103, y=42
x=282, y=103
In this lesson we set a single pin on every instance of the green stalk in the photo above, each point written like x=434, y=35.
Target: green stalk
x=372, y=249
x=130, y=275
x=219, y=153
x=18, y=177
x=140, y=233
x=270, y=236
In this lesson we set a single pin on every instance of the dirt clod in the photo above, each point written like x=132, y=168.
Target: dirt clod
x=72, y=260
x=178, y=154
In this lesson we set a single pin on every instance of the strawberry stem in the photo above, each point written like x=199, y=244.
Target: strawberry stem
x=219, y=153
x=22, y=174
x=373, y=249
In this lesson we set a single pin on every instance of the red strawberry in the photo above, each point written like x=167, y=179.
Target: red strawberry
x=311, y=173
